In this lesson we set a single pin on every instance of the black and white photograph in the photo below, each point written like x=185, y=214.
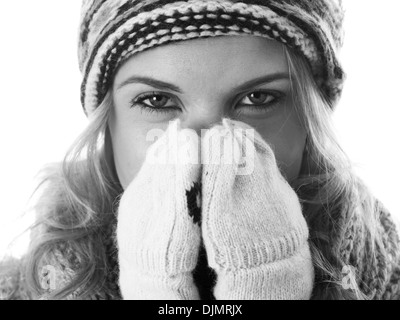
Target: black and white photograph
x=110, y=194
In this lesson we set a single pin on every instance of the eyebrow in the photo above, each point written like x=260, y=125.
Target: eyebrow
x=169, y=86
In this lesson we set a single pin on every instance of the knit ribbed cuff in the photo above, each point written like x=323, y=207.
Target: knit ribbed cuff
x=136, y=285
x=158, y=263
x=273, y=250
x=289, y=279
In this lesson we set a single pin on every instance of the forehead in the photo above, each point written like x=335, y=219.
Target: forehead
x=207, y=59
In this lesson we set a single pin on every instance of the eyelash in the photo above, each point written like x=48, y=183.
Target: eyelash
x=138, y=102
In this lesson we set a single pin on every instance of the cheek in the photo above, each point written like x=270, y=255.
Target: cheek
x=129, y=154
x=287, y=138
x=289, y=154
x=130, y=144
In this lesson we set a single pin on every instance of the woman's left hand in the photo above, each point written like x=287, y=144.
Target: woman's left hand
x=253, y=227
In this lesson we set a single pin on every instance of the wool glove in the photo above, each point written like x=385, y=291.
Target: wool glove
x=158, y=234
x=253, y=228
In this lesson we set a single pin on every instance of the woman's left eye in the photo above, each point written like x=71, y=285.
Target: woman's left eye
x=261, y=102
x=259, y=97
x=262, y=98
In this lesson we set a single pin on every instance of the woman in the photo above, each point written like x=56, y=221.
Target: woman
x=110, y=222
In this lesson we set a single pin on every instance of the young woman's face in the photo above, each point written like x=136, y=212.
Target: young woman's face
x=201, y=81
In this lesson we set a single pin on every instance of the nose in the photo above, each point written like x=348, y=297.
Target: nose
x=203, y=119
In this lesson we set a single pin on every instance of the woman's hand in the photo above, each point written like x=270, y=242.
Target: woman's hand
x=158, y=233
x=253, y=228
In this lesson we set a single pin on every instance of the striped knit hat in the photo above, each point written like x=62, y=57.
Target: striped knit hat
x=113, y=30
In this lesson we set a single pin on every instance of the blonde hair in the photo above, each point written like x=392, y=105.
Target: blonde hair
x=332, y=195
x=81, y=197
x=77, y=205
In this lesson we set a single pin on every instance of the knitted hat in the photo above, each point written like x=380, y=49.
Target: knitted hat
x=113, y=30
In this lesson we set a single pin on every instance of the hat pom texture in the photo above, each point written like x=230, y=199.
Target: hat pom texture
x=111, y=31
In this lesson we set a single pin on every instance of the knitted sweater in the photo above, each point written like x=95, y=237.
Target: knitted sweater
x=377, y=273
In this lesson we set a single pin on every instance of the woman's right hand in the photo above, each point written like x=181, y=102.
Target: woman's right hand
x=158, y=236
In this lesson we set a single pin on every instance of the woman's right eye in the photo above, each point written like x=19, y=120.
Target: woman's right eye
x=157, y=103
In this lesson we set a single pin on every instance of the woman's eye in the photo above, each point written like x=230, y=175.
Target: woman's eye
x=256, y=102
x=259, y=101
x=258, y=98
x=154, y=102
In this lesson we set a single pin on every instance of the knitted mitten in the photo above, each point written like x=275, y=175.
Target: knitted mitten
x=158, y=235
x=253, y=228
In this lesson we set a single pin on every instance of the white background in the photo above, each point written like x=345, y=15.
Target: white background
x=41, y=112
